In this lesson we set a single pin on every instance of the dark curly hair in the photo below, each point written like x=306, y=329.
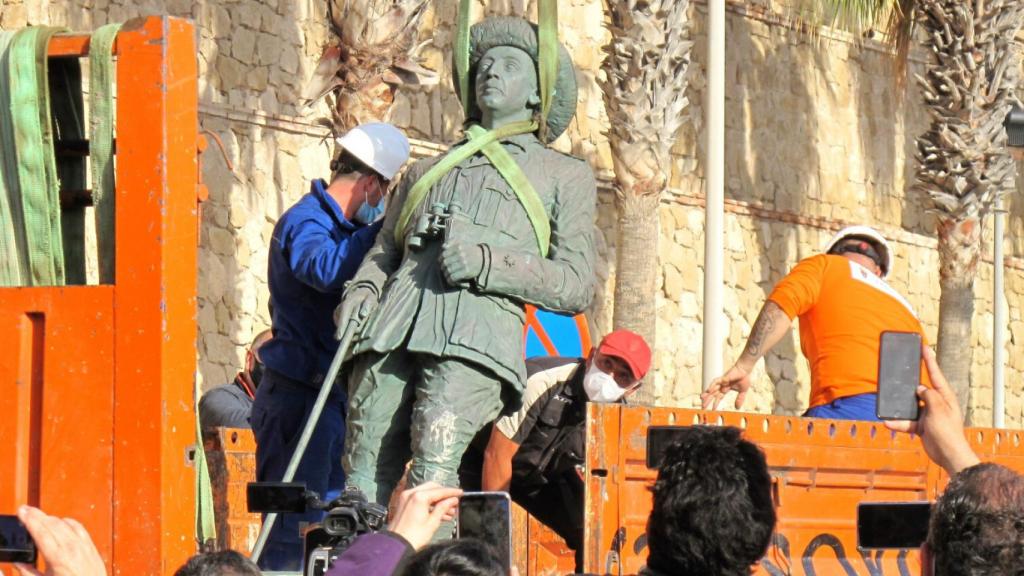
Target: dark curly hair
x=462, y=557
x=977, y=525
x=223, y=563
x=713, y=511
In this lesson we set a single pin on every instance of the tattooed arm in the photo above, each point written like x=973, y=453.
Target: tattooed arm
x=771, y=325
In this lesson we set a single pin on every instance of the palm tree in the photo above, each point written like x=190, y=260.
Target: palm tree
x=644, y=87
x=964, y=167
x=374, y=52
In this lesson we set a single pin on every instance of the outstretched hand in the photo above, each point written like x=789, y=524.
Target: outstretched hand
x=63, y=543
x=940, y=423
x=421, y=510
x=736, y=378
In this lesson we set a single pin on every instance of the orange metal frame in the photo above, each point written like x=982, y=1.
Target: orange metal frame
x=821, y=470
x=98, y=380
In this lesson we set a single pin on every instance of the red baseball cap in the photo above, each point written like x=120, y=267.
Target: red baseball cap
x=630, y=347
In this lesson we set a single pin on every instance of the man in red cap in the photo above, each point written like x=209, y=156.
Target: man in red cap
x=537, y=453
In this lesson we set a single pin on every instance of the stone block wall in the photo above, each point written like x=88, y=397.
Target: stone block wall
x=817, y=136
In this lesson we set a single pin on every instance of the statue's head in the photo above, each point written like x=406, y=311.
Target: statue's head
x=503, y=57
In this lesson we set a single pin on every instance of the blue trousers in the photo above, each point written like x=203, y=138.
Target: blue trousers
x=858, y=407
x=279, y=414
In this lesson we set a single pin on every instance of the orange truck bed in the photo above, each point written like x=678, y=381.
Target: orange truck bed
x=821, y=470
x=97, y=381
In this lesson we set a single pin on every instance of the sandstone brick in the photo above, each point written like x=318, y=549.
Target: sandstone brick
x=221, y=242
x=243, y=43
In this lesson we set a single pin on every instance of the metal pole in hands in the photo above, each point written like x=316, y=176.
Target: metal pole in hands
x=307, y=432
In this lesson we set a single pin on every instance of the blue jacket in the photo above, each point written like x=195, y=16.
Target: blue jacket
x=313, y=252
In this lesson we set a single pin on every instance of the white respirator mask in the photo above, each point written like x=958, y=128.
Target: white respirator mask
x=601, y=387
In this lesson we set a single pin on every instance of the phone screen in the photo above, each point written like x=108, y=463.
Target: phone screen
x=276, y=497
x=16, y=544
x=899, y=375
x=488, y=517
x=892, y=524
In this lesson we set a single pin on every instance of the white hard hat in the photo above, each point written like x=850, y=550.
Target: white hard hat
x=380, y=146
x=867, y=233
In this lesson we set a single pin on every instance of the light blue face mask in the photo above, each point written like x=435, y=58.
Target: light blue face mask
x=367, y=213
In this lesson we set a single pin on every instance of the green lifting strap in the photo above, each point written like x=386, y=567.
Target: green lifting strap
x=462, y=57
x=101, y=138
x=547, y=70
x=206, y=526
x=481, y=140
x=13, y=258
x=37, y=175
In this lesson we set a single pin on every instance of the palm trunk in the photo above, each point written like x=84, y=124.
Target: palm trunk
x=636, y=272
x=959, y=251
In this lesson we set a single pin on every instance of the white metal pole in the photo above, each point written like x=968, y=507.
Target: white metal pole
x=714, y=193
x=999, y=319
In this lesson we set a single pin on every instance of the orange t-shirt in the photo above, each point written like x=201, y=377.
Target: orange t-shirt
x=843, y=309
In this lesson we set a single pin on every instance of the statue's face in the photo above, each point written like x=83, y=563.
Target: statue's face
x=506, y=81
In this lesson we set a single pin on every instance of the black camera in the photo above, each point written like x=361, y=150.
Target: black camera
x=348, y=516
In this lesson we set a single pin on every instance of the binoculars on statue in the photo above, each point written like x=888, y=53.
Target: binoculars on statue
x=434, y=223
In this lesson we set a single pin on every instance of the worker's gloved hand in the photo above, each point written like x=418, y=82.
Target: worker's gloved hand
x=356, y=305
x=461, y=262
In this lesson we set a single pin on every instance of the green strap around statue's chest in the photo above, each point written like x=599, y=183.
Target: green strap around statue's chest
x=487, y=142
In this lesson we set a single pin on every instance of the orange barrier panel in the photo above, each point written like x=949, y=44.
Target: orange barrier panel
x=821, y=469
x=231, y=456
x=103, y=375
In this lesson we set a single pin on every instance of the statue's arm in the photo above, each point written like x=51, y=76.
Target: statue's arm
x=564, y=281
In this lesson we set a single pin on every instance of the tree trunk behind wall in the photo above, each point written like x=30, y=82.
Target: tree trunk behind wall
x=636, y=272
x=959, y=251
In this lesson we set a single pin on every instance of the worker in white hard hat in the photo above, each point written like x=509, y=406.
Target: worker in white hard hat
x=317, y=246
x=844, y=305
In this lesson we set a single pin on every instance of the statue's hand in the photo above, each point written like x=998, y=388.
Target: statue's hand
x=461, y=261
x=356, y=305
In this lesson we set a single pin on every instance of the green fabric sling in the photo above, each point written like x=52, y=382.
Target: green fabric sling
x=101, y=138
x=37, y=175
x=547, y=56
x=13, y=255
x=481, y=140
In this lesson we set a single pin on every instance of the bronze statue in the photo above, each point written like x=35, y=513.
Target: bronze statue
x=441, y=293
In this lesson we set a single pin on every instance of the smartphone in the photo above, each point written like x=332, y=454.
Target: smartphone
x=899, y=375
x=659, y=438
x=16, y=544
x=882, y=525
x=279, y=497
x=488, y=517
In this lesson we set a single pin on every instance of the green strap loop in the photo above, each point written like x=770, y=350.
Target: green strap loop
x=547, y=69
x=101, y=138
x=206, y=527
x=39, y=191
x=462, y=56
x=13, y=258
x=481, y=140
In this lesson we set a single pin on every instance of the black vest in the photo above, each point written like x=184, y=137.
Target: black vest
x=557, y=442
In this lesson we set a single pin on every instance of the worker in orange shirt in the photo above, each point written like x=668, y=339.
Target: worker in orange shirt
x=844, y=305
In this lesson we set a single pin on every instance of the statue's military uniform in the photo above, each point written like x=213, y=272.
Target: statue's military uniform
x=479, y=327
x=434, y=362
